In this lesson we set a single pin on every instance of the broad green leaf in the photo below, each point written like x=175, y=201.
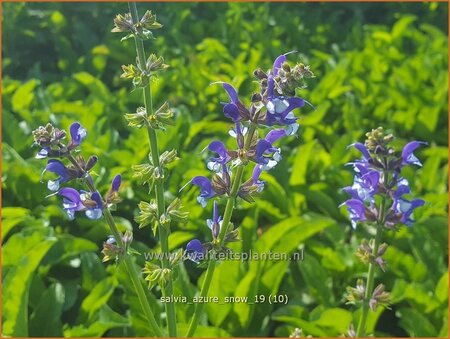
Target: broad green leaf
x=23, y=96
x=45, y=321
x=16, y=287
x=300, y=165
x=99, y=296
x=415, y=323
x=441, y=291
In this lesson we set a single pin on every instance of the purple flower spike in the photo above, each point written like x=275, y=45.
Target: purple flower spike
x=71, y=201
x=408, y=155
x=195, y=251
x=356, y=209
x=77, y=133
x=215, y=223
x=57, y=167
x=117, y=181
x=215, y=164
x=206, y=190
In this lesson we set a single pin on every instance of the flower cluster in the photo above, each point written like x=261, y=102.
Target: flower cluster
x=379, y=195
x=271, y=108
x=378, y=173
x=51, y=142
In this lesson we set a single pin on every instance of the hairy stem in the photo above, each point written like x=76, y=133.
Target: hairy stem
x=132, y=273
x=223, y=232
x=159, y=188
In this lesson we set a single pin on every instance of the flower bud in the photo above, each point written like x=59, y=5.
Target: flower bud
x=148, y=212
x=260, y=74
x=356, y=294
x=176, y=213
x=90, y=163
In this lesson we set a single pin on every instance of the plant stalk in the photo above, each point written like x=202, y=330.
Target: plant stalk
x=159, y=189
x=360, y=331
x=223, y=232
x=132, y=273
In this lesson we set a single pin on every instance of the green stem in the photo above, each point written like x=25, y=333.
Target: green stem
x=371, y=273
x=369, y=285
x=159, y=189
x=132, y=273
x=223, y=232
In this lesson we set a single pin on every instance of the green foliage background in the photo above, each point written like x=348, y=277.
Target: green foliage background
x=377, y=64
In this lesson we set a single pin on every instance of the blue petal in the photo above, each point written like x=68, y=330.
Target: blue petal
x=195, y=250
x=57, y=167
x=232, y=93
x=94, y=213
x=77, y=133
x=219, y=148
x=274, y=135
x=231, y=111
x=117, y=181
x=204, y=184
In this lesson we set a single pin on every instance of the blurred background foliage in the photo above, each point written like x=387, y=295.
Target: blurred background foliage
x=377, y=64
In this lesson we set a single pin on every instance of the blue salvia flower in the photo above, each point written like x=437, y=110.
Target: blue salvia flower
x=273, y=105
x=255, y=178
x=402, y=207
x=266, y=154
x=73, y=201
x=77, y=133
x=57, y=167
x=216, y=163
x=206, y=189
x=356, y=209
x=195, y=251
x=378, y=173
x=408, y=157
x=235, y=109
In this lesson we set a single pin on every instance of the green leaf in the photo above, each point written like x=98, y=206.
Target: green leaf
x=24, y=95
x=415, y=323
x=204, y=331
x=104, y=321
x=95, y=86
x=300, y=165
x=335, y=319
x=45, y=321
x=441, y=291
x=99, y=296
x=318, y=281
x=11, y=217
x=16, y=288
